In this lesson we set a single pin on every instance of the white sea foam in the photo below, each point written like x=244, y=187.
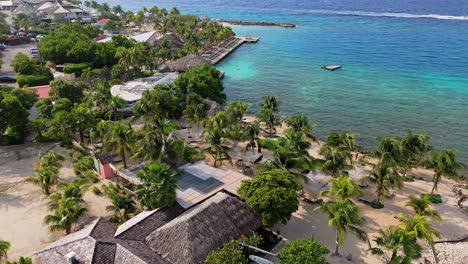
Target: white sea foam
x=388, y=14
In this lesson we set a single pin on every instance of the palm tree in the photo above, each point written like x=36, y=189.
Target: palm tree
x=345, y=217
x=195, y=113
x=420, y=228
x=216, y=148
x=252, y=132
x=345, y=139
x=445, y=164
x=123, y=205
x=4, y=247
x=21, y=260
x=296, y=141
x=270, y=103
x=342, y=188
x=385, y=177
x=391, y=152
x=335, y=158
x=74, y=189
x=47, y=170
x=300, y=123
x=422, y=206
x=66, y=213
x=270, y=119
x=121, y=139
x=158, y=187
x=402, y=246
x=415, y=145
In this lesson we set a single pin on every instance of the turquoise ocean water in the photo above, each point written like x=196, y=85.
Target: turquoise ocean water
x=405, y=63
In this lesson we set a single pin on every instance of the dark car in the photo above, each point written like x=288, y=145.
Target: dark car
x=7, y=78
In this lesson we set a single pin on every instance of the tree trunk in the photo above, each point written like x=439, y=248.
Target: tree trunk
x=81, y=136
x=394, y=254
x=47, y=191
x=337, y=246
x=436, y=261
x=124, y=159
x=433, y=189
x=379, y=193
x=68, y=230
x=259, y=148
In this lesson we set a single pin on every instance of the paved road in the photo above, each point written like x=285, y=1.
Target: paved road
x=10, y=52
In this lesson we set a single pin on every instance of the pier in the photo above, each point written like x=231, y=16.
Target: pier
x=217, y=53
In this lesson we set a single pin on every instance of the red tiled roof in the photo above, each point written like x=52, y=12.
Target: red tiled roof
x=41, y=91
x=103, y=21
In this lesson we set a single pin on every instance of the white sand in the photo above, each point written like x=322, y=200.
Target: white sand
x=23, y=206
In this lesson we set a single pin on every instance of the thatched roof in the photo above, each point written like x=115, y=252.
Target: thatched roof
x=205, y=227
x=164, y=236
x=186, y=63
x=175, y=42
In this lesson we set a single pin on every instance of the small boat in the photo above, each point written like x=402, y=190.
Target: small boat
x=259, y=260
x=331, y=67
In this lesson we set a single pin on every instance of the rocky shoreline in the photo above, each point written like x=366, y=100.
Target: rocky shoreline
x=253, y=23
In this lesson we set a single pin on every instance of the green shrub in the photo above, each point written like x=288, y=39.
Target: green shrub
x=148, y=73
x=435, y=199
x=86, y=163
x=90, y=176
x=407, y=179
x=77, y=68
x=31, y=80
x=269, y=144
x=97, y=191
x=39, y=31
x=377, y=205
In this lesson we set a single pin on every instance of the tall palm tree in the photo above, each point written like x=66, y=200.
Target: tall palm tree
x=296, y=141
x=65, y=213
x=422, y=206
x=121, y=139
x=270, y=120
x=252, y=132
x=445, y=164
x=420, y=228
x=385, y=177
x=47, y=170
x=195, y=113
x=335, y=158
x=342, y=188
x=216, y=148
x=345, y=217
x=270, y=103
x=345, y=140
x=402, y=246
x=4, y=247
x=391, y=152
x=300, y=123
x=158, y=187
x=74, y=189
x=415, y=145
x=122, y=204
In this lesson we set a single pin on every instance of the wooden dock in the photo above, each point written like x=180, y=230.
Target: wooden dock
x=217, y=53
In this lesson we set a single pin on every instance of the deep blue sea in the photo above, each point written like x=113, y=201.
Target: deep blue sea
x=405, y=63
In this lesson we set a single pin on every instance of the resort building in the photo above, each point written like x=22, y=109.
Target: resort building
x=148, y=37
x=8, y=5
x=51, y=9
x=132, y=91
x=186, y=63
x=172, y=235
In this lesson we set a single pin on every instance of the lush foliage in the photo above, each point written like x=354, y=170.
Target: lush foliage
x=77, y=68
x=46, y=170
x=123, y=205
x=158, y=186
x=305, y=251
x=203, y=80
x=32, y=80
x=228, y=254
x=271, y=194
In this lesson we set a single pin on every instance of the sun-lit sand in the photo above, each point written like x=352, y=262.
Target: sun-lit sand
x=23, y=206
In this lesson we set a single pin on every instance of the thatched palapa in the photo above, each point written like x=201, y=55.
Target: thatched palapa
x=186, y=63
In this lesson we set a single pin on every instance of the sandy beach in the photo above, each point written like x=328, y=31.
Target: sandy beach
x=23, y=206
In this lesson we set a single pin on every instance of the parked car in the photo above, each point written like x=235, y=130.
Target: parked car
x=2, y=46
x=7, y=78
